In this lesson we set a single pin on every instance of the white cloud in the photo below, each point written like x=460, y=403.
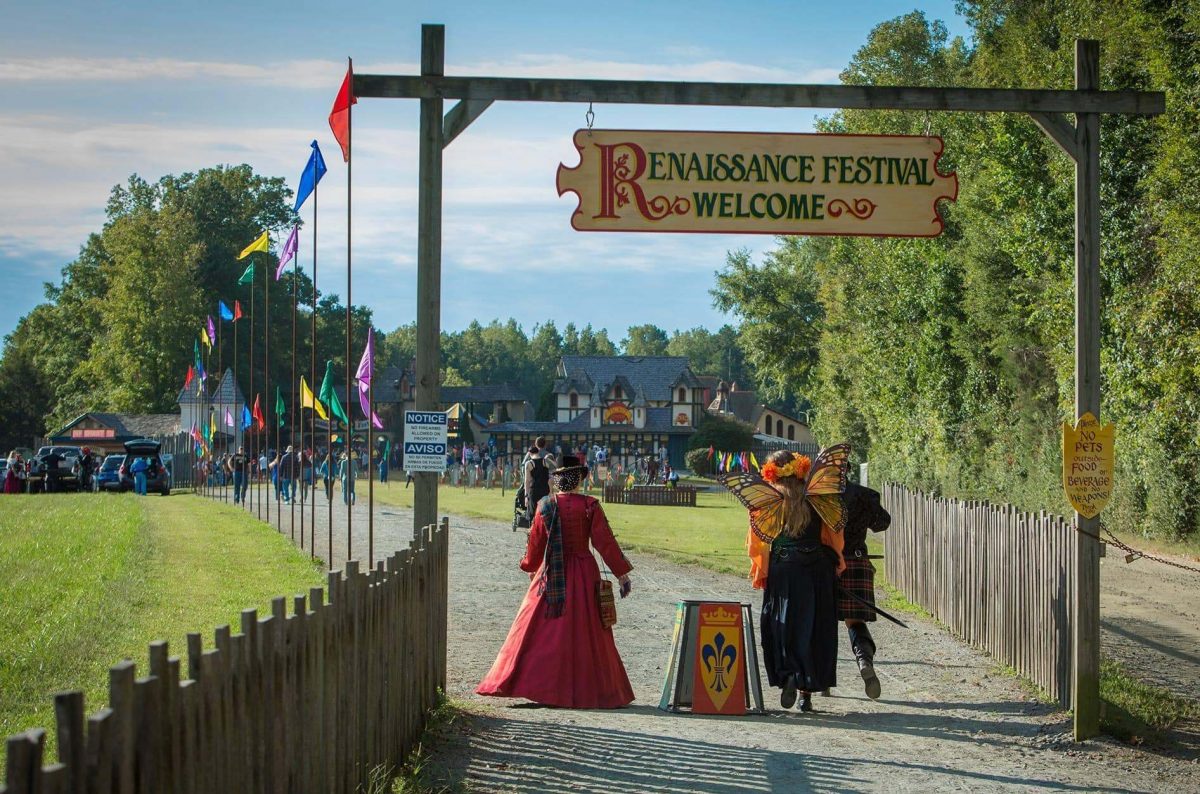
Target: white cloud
x=321, y=74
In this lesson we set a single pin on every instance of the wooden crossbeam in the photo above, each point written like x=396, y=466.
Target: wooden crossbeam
x=1060, y=130
x=460, y=117
x=856, y=97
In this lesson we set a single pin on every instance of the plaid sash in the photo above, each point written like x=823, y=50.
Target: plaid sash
x=553, y=585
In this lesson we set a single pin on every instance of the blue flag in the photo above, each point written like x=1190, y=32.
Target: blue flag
x=224, y=311
x=311, y=176
x=246, y=419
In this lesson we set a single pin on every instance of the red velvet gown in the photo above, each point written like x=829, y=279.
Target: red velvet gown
x=569, y=661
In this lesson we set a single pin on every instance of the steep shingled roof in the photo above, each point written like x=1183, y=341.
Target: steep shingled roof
x=654, y=375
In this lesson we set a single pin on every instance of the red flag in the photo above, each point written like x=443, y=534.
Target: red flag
x=237, y=310
x=339, y=117
x=258, y=414
x=190, y=376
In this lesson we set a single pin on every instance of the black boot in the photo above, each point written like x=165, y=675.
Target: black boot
x=864, y=653
x=787, y=698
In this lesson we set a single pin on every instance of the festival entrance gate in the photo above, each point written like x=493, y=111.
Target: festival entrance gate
x=1080, y=140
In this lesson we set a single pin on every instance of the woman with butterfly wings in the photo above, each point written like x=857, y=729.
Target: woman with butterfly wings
x=795, y=545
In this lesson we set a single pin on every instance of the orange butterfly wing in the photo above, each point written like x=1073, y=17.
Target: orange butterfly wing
x=762, y=499
x=826, y=483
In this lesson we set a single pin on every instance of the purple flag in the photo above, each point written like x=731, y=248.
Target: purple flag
x=212, y=330
x=366, y=368
x=228, y=418
x=289, y=250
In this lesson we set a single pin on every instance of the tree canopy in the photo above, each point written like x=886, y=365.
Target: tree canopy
x=950, y=362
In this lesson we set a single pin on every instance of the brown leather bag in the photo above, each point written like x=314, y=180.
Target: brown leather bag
x=608, y=604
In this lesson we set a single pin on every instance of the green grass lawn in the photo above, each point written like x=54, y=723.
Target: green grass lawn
x=89, y=579
x=712, y=534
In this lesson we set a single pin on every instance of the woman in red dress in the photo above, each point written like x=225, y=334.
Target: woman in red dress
x=557, y=652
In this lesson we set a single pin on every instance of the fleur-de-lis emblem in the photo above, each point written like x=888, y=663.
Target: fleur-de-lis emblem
x=719, y=660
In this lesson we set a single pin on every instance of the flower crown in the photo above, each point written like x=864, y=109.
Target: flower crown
x=797, y=467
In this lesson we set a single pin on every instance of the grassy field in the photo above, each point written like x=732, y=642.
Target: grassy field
x=87, y=580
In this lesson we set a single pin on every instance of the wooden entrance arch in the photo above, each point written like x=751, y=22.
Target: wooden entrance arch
x=1048, y=108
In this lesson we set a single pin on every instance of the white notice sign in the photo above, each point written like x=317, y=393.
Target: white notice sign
x=425, y=441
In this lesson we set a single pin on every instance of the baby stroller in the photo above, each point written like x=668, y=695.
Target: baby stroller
x=520, y=518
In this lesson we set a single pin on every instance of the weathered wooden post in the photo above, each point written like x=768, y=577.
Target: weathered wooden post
x=429, y=261
x=1087, y=388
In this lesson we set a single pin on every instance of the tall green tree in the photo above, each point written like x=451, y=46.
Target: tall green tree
x=645, y=340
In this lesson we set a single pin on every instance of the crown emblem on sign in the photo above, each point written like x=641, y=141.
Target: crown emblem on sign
x=721, y=617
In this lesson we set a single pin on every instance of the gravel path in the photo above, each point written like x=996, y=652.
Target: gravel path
x=948, y=719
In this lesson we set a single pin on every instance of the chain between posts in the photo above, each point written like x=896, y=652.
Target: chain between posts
x=1132, y=554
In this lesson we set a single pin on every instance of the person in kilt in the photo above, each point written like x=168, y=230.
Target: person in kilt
x=863, y=512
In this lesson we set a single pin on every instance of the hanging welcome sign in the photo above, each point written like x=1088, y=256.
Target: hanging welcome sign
x=757, y=183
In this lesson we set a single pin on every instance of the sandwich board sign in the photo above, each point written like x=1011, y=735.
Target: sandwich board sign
x=425, y=440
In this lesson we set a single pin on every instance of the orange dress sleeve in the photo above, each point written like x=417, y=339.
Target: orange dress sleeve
x=604, y=541
x=760, y=558
x=535, y=547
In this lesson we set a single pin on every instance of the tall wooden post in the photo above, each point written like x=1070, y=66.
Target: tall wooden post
x=429, y=261
x=1087, y=389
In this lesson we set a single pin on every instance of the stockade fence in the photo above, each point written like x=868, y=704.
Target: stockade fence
x=318, y=701
x=998, y=578
x=679, y=496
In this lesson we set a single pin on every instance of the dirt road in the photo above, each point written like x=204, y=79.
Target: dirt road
x=948, y=720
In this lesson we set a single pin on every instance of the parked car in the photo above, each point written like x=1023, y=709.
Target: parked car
x=158, y=479
x=108, y=477
x=60, y=464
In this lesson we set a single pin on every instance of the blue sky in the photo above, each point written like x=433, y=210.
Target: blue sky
x=91, y=92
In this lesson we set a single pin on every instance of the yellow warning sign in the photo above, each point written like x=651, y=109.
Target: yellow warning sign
x=1088, y=463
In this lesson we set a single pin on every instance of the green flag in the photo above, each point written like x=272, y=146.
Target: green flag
x=247, y=275
x=280, y=408
x=329, y=396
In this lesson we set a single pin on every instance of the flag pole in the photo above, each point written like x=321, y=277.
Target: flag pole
x=267, y=381
x=292, y=418
x=220, y=392
x=257, y=508
x=370, y=478
x=312, y=419
x=349, y=305
x=237, y=422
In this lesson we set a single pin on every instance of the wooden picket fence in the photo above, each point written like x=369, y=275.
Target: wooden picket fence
x=998, y=578
x=679, y=496
x=318, y=701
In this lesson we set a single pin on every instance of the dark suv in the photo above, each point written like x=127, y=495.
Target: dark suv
x=157, y=477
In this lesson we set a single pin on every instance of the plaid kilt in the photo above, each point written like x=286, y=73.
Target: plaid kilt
x=858, y=578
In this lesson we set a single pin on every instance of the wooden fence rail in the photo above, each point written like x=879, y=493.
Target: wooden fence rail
x=680, y=496
x=315, y=701
x=998, y=578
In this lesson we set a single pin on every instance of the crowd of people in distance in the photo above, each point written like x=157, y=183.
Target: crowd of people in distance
x=294, y=473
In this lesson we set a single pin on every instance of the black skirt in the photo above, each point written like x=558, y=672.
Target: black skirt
x=799, y=619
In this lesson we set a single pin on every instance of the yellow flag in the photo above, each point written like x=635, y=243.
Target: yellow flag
x=204, y=338
x=307, y=400
x=754, y=461
x=261, y=244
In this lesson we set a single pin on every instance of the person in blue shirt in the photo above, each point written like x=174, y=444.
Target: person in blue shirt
x=138, y=470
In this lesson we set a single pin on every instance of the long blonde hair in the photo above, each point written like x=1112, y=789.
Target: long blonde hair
x=797, y=512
